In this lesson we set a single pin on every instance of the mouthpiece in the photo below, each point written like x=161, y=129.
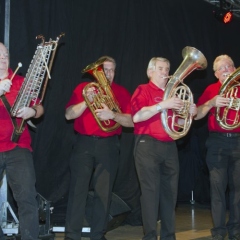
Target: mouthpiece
x=19, y=64
x=167, y=77
x=226, y=74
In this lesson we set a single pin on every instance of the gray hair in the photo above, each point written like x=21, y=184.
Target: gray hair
x=108, y=59
x=220, y=58
x=152, y=63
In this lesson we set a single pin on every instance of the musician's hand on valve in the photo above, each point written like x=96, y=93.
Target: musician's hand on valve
x=26, y=113
x=173, y=103
x=91, y=92
x=219, y=101
x=193, y=110
x=5, y=86
x=105, y=113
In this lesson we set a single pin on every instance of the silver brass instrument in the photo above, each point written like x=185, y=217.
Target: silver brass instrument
x=229, y=89
x=102, y=94
x=31, y=88
x=193, y=59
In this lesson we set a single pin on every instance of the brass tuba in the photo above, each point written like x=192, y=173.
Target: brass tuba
x=193, y=59
x=229, y=89
x=102, y=94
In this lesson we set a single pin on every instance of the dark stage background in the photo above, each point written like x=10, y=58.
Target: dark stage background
x=131, y=31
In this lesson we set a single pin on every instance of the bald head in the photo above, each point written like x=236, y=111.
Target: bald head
x=4, y=61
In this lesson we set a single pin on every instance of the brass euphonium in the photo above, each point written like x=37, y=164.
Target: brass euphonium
x=229, y=89
x=193, y=59
x=102, y=94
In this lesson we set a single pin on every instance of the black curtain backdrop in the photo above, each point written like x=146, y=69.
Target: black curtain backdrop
x=132, y=32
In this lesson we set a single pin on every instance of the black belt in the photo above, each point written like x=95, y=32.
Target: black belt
x=93, y=136
x=230, y=135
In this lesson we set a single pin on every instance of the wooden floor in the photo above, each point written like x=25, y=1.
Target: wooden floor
x=193, y=221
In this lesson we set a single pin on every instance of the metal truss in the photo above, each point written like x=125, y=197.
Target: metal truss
x=229, y=5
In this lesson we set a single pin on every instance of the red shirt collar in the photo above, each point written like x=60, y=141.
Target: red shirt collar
x=154, y=86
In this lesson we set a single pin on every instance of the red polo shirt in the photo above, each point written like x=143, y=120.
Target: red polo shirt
x=6, y=123
x=210, y=92
x=148, y=95
x=86, y=123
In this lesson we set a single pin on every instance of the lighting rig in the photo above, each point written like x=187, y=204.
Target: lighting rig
x=225, y=10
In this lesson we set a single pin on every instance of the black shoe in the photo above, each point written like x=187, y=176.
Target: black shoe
x=102, y=238
x=235, y=237
x=218, y=237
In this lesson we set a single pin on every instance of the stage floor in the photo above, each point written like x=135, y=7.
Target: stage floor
x=193, y=221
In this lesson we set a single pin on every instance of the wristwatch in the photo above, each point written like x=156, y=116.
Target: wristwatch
x=159, y=108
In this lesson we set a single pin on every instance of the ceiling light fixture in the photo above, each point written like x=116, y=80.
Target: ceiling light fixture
x=223, y=13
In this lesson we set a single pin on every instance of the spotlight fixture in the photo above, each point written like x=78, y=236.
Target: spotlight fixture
x=224, y=16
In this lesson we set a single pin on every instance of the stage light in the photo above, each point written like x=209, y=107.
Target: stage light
x=223, y=16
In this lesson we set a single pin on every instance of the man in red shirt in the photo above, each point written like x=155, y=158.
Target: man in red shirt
x=155, y=152
x=223, y=154
x=95, y=155
x=16, y=157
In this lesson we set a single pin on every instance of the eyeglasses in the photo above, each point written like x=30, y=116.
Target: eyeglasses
x=225, y=67
x=4, y=55
x=108, y=70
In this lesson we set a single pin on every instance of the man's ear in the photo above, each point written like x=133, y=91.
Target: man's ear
x=149, y=73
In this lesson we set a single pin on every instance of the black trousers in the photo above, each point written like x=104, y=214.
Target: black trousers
x=94, y=159
x=158, y=172
x=20, y=173
x=223, y=160
x=2, y=237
